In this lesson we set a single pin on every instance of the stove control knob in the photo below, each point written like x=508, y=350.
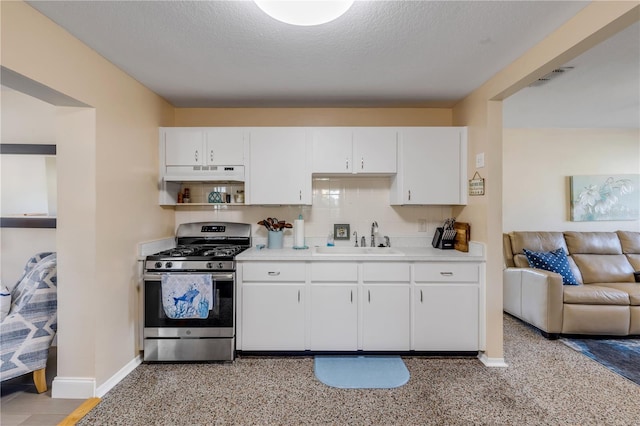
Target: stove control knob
x=209, y=265
x=168, y=264
x=220, y=265
x=158, y=265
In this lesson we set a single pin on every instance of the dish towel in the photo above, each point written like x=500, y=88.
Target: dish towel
x=187, y=296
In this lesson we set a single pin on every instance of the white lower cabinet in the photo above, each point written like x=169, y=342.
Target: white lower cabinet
x=273, y=317
x=334, y=317
x=445, y=317
x=446, y=306
x=385, y=317
x=349, y=306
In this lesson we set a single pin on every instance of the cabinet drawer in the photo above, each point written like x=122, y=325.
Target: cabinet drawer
x=334, y=271
x=386, y=272
x=273, y=271
x=447, y=272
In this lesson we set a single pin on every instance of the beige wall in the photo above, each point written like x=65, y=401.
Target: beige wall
x=107, y=193
x=313, y=117
x=482, y=112
x=537, y=197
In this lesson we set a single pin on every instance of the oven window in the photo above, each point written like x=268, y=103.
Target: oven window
x=221, y=314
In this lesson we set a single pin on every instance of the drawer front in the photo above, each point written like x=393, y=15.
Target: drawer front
x=386, y=272
x=273, y=271
x=334, y=272
x=447, y=272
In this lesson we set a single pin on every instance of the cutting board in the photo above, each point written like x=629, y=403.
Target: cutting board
x=463, y=235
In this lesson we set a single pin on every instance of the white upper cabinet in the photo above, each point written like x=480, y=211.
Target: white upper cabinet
x=183, y=147
x=332, y=150
x=375, y=149
x=279, y=169
x=432, y=166
x=187, y=146
x=354, y=150
x=225, y=146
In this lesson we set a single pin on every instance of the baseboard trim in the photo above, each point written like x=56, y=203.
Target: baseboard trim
x=73, y=387
x=116, y=378
x=492, y=362
x=85, y=387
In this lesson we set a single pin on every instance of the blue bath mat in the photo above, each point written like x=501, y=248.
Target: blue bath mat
x=361, y=372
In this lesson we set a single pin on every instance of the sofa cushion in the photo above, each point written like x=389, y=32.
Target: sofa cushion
x=554, y=261
x=604, y=268
x=630, y=241
x=594, y=295
x=632, y=289
x=634, y=260
x=537, y=241
x=593, y=242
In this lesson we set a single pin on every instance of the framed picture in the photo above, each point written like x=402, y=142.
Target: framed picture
x=605, y=197
x=341, y=231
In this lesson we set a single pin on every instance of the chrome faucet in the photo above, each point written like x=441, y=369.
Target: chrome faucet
x=374, y=231
x=355, y=237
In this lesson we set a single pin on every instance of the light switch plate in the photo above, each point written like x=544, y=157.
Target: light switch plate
x=480, y=160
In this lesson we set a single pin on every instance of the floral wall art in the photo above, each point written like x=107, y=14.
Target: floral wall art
x=605, y=197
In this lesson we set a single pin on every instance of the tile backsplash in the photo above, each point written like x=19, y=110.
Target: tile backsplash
x=356, y=201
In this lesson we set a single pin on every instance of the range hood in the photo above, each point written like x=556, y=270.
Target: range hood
x=204, y=174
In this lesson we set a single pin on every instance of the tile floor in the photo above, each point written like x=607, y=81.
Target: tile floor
x=20, y=404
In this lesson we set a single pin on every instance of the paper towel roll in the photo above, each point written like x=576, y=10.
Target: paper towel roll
x=298, y=233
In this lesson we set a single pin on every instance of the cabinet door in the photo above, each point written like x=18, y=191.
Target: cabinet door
x=385, y=317
x=375, y=149
x=225, y=146
x=334, y=317
x=184, y=147
x=332, y=150
x=432, y=166
x=272, y=317
x=445, y=317
x=280, y=166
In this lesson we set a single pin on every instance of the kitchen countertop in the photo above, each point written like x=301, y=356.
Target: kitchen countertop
x=407, y=254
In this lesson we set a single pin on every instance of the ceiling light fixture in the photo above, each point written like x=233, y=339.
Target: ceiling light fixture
x=304, y=12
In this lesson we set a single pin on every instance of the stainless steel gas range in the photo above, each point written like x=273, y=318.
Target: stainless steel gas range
x=203, y=260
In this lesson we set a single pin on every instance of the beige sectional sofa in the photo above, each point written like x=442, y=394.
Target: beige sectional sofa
x=606, y=300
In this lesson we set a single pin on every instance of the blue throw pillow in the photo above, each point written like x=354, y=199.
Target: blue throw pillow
x=554, y=261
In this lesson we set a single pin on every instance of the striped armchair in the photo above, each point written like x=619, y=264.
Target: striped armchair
x=28, y=330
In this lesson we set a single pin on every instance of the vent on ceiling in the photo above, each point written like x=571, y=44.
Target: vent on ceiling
x=551, y=76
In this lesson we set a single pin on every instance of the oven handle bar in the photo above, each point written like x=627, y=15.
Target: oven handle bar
x=214, y=275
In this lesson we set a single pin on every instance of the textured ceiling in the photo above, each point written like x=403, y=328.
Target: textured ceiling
x=380, y=53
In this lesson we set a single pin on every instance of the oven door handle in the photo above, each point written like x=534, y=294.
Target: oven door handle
x=214, y=275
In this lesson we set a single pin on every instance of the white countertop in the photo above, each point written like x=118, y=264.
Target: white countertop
x=407, y=254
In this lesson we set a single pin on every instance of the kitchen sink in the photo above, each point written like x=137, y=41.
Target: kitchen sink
x=358, y=251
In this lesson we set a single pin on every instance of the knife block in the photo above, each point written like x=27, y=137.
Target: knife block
x=440, y=242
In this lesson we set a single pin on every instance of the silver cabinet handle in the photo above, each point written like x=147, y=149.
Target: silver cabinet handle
x=347, y=163
x=298, y=296
x=362, y=163
x=195, y=155
x=274, y=274
x=300, y=195
x=446, y=274
x=351, y=296
x=211, y=155
x=369, y=296
x=409, y=195
x=420, y=296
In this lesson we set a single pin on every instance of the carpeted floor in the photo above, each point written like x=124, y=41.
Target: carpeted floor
x=546, y=383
